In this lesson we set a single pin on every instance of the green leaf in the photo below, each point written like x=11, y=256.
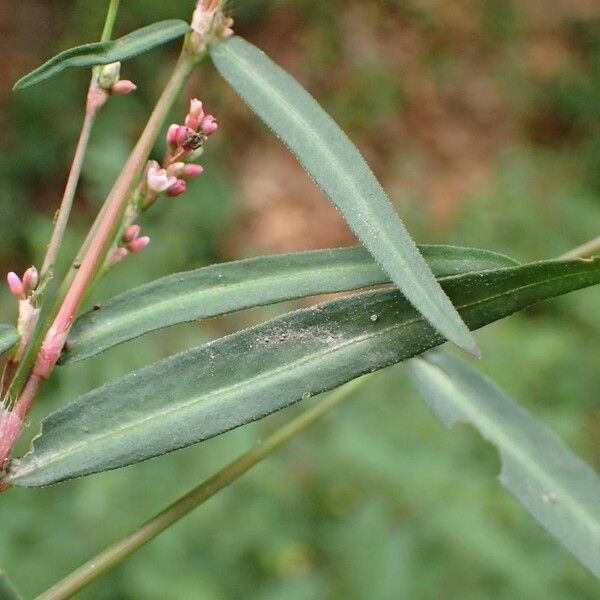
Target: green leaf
x=102, y=53
x=553, y=484
x=228, y=287
x=338, y=168
x=237, y=379
x=8, y=337
x=7, y=591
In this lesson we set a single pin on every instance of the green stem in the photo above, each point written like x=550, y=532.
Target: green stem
x=91, y=110
x=113, y=555
x=109, y=22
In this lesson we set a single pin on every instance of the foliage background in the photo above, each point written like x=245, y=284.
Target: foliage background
x=481, y=120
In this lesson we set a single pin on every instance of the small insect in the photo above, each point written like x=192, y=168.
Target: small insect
x=193, y=140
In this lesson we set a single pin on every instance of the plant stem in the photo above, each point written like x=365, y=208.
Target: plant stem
x=69, y=195
x=94, y=101
x=109, y=22
x=114, y=554
x=586, y=250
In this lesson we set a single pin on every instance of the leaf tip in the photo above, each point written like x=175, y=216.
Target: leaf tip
x=470, y=346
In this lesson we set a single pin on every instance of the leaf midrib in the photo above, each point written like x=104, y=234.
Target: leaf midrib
x=486, y=425
x=206, y=398
x=349, y=175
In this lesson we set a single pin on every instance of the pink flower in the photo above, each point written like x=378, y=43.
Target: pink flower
x=177, y=188
x=196, y=109
x=159, y=180
x=138, y=244
x=30, y=279
x=15, y=285
x=122, y=87
x=191, y=122
x=131, y=233
x=192, y=170
x=209, y=125
x=172, y=135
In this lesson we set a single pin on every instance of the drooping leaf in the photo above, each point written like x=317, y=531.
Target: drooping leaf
x=237, y=379
x=102, y=53
x=8, y=337
x=7, y=591
x=338, y=168
x=228, y=287
x=553, y=484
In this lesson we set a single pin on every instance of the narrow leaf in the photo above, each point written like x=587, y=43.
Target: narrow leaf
x=338, y=168
x=553, y=484
x=102, y=53
x=228, y=287
x=237, y=379
x=8, y=337
x=7, y=591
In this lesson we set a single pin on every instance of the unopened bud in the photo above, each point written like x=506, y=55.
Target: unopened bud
x=30, y=279
x=138, y=244
x=117, y=255
x=131, y=233
x=176, y=169
x=191, y=170
x=15, y=285
x=196, y=109
x=209, y=125
x=192, y=122
x=122, y=87
x=182, y=135
x=177, y=188
x=172, y=135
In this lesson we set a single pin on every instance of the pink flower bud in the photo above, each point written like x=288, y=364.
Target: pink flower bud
x=196, y=109
x=177, y=188
x=122, y=87
x=183, y=134
x=172, y=135
x=131, y=233
x=192, y=170
x=30, y=279
x=192, y=122
x=15, y=285
x=227, y=32
x=159, y=180
x=138, y=244
x=117, y=255
x=209, y=125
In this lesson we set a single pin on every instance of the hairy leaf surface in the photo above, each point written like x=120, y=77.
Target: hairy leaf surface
x=245, y=376
x=336, y=165
x=224, y=288
x=553, y=484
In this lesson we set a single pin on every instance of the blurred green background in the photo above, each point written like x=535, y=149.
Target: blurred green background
x=482, y=120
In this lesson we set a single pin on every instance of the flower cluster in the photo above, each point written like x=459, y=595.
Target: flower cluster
x=21, y=288
x=131, y=242
x=209, y=23
x=185, y=144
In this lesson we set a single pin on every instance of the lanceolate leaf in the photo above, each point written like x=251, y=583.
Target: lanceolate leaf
x=8, y=337
x=205, y=391
x=102, y=53
x=224, y=288
x=555, y=486
x=339, y=169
